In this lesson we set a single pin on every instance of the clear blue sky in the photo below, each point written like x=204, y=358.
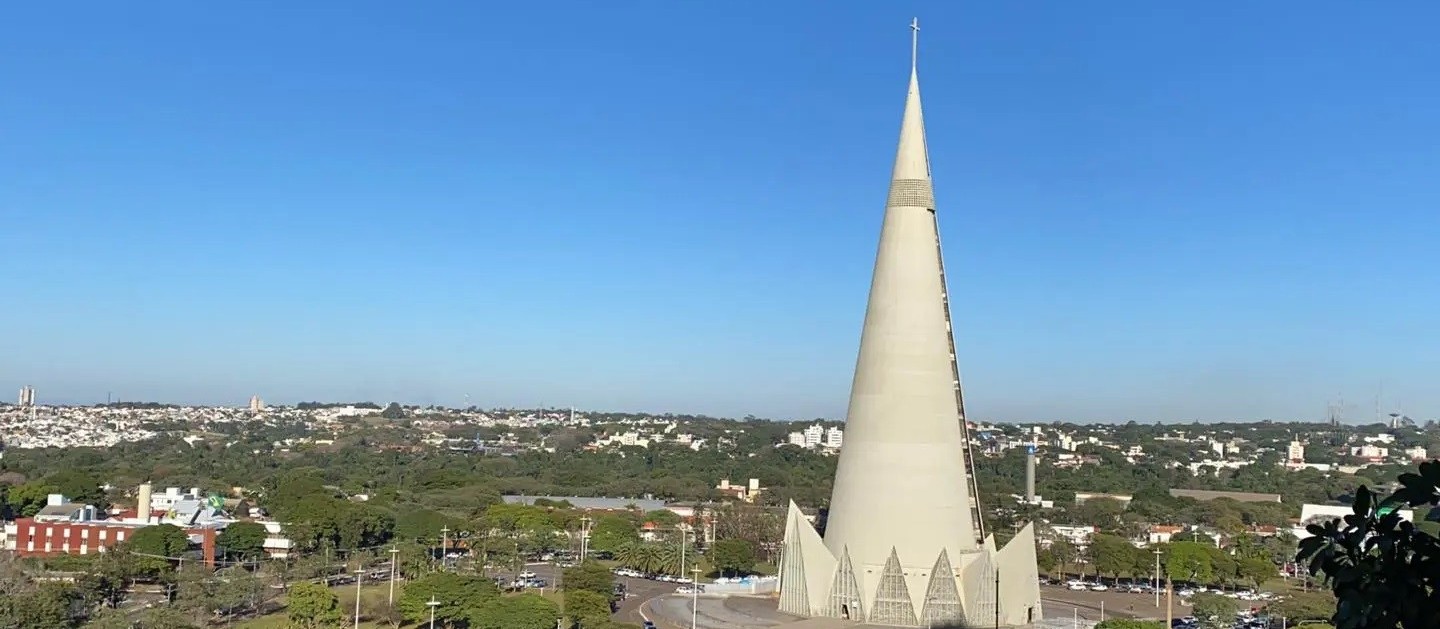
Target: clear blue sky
x=1152, y=211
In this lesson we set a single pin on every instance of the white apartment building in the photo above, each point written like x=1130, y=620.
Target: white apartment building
x=1369, y=451
x=1295, y=453
x=817, y=436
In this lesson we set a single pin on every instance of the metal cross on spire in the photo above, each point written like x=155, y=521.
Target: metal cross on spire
x=914, y=41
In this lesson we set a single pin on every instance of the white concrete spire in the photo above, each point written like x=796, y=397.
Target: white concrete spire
x=900, y=541
x=912, y=160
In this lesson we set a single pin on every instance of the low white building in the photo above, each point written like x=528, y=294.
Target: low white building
x=1319, y=514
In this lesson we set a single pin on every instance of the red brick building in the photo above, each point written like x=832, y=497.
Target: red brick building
x=66, y=528
x=42, y=539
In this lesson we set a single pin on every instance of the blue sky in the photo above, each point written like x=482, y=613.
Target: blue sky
x=1152, y=211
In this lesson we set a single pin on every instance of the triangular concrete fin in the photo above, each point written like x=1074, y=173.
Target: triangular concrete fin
x=892, y=598
x=845, y=594
x=942, y=598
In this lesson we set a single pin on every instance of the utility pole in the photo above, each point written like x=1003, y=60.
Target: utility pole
x=394, y=565
x=432, y=604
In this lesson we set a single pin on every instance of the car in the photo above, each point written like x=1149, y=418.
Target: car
x=527, y=575
x=685, y=589
x=1099, y=587
x=648, y=625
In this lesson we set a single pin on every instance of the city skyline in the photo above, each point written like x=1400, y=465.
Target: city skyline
x=1168, y=214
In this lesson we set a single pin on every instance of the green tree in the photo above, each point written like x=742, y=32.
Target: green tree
x=663, y=517
x=312, y=606
x=245, y=540
x=461, y=597
x=393, y=411
x=1046, y=560
x=103, y=583
x=1214, y=611
x=584, y=607
x=732, y=556
x=590, y=576
x=28, y=499
x=1189, y=561
x=1128, y=623
x=1255, y=570
x=79, y=487
x=611, y=532
x=526, y=611
x=1299, y=607
x=1111, y=555
x=155, y=548
x=49, y=605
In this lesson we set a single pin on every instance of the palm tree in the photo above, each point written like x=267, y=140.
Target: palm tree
x=667, y=559
x=628, y=554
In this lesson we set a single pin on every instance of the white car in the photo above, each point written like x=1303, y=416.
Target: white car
x=1076, y=585
x=1099, y=587
x=527, y=575
x=684, y=589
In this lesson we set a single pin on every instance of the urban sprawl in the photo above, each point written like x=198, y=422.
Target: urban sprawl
x=316, y=494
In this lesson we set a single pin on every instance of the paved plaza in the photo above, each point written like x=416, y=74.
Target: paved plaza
x=753, y=612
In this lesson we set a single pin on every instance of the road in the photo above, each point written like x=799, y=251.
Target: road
x=638, y=591
x=648, y=600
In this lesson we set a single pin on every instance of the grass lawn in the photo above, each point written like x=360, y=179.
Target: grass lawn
x=279, y=621
x=369, y=595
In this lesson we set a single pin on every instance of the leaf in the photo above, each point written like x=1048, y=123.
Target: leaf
x=1363, y=498
x=1431, y=471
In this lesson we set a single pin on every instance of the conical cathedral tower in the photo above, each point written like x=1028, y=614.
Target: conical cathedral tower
x=903, y=543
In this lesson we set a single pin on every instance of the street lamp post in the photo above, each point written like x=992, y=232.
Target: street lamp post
x=584, y=537
x=683, y=538
x=394, y=565
x=1157, y=578
x=432, y=604
x=997, y=597
x=695, y=598
x=444, y=545
x=359, y=580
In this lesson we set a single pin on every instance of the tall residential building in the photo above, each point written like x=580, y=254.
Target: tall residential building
x=27, y=396
x=256, y=404
x=813, y=435
x=903, y=545
x=1295, y=453
x=834, y=437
